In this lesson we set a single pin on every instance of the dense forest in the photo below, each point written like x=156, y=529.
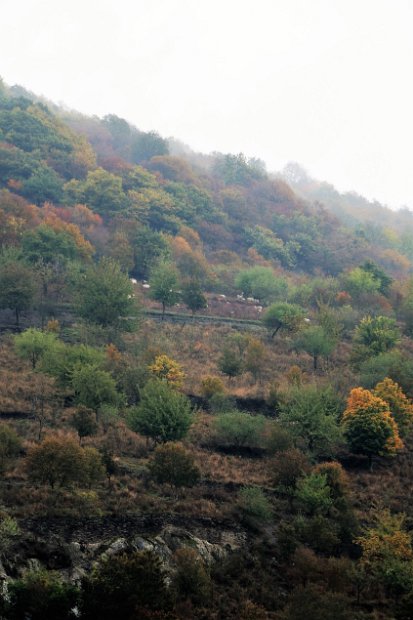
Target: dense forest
x=206, y=394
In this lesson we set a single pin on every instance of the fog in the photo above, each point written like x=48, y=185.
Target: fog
x=326, y=83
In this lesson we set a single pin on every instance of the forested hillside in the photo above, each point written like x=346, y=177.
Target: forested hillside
x=206, y=382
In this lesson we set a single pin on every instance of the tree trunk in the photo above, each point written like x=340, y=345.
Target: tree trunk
x=315, y=360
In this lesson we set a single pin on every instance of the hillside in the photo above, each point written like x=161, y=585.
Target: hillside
x=206, y=382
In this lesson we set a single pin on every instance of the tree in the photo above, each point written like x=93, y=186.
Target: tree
x=316, y=342
x=230, y=363
x=46, y=245
x=17, y=287
x=314, y=494
x=369, y=427
x=33, y=344
x=10, y=445
x=386, y=562
x=93, y=387
x=262, y=283
x=167, y=369
x=41, y=595
x=84, y=422
x=282, y=315
x=162, y=414
x=400, y=406
x=310, y=414
x=255, y=357
x=359, y=282
x=172, y=464
x=191, y=579
x=104, y=295
x=239, y=429
x=121, y=585
x=385, y=281
x=193, y=297
x=376, y=334
x=57, y=460
x=149, y=246
x=164, y=285
x=148, y=145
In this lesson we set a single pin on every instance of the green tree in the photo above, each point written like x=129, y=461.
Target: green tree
x=373, y=336
x=255, y=358
x=149, y=247
x=314, y=494
x=162, y=414
x=102, y=191
x=282, y=315
x=230, y=363
x=239, y=429
x=164, y=283
x=262, y=283
x=33, y=344
x=104, y=295
x=193, y=297
x=46, y=245
x=84, y=422
x=148, y=145
x=385, y=281
x=254, y=505
x=172, y=464
x=359, y=282
x=93, y=387
x=316, y=342
x=310, y=414
x=17, y=287
x=10, y=445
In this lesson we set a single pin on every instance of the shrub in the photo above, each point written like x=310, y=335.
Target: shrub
x=84, y=422
x=288, y=467
x=60, y=460
x=121, y=585
x=162, y=414
x=172, y=464
x=41, y=595
x=239, y=429
x=254, y=505
x=211, y=386
x=10, y=445
x=191, y=580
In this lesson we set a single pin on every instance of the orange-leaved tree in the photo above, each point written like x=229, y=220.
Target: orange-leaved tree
x=369, y=426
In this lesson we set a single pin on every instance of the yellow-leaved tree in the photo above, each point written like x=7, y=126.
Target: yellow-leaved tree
x=369, y=426
x=167, y=369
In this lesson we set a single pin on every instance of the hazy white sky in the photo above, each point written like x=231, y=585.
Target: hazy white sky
x=327, y=83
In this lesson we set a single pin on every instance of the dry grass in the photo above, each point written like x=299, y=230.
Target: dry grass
x=225, y=468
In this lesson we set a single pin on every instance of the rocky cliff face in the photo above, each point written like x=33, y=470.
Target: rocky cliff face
x=75, y=551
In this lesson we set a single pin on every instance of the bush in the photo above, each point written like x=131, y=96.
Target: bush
x=162, y=414
x=254, y=505
x=41, y=595
x=211, y=386
x=239, y=429
x=61, y=461
x=121, y=585
x=288, y=467
x=10, y=445
x=191, y=579
x=172, y=464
